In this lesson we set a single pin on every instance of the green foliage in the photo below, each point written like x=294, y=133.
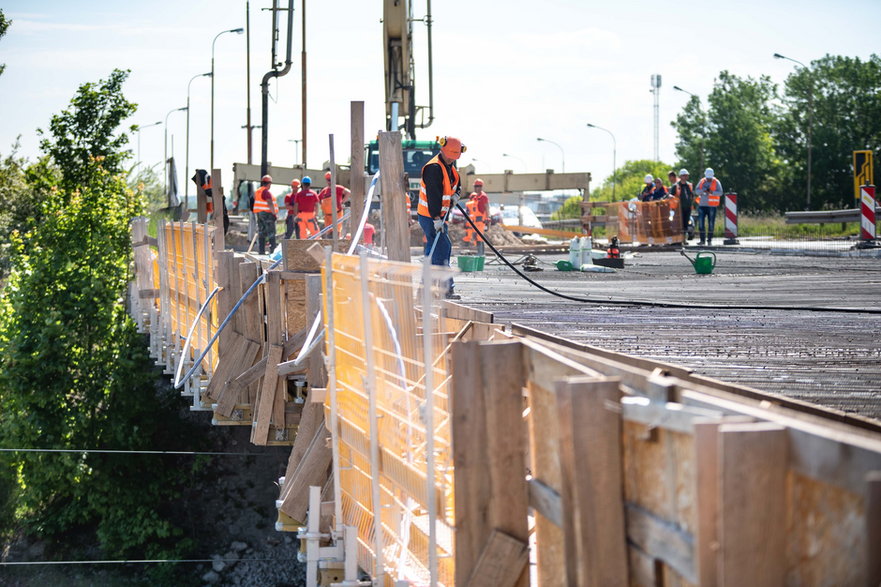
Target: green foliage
x=74, y=374
x=839, y=97
x=4, y=25
x=87, y=131
x=691, y=124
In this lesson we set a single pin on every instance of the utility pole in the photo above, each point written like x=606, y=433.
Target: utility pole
x=303, y=64
x=248, y=80
x=656, y=90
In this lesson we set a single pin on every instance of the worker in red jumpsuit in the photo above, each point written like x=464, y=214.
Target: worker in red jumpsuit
x=342, y=195
x=291, y=227
x=304, y=208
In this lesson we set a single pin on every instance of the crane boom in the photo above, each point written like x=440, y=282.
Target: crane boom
x=400, y=93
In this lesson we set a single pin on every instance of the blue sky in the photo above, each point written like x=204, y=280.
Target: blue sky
x=505, y=72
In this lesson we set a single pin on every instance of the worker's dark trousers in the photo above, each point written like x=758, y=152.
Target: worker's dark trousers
x=685, y=207
x=709, y=213
x=443, y=249
x=265, y=231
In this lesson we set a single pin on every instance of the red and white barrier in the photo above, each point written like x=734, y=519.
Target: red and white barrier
x=867, y=213
x=731, y=220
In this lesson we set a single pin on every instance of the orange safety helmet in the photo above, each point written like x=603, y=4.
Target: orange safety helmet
x=266, y=178
x=451, y=147
x=295, y=182
x=478, y=182
x=327, y=176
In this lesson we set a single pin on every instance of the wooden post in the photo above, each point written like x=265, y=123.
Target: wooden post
x=332, y=194
x=395, y=221
x=873, y=528
x=489, y=452
x=754, y=461
x=356, y=175
x=201, y=204
x=217, y=195
x=593, y=499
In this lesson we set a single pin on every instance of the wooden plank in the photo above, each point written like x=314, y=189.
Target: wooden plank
x=312, y=470
x=873, y=528
x=274, y=322
x=662, y=540
x=489, y=444
x=316, y=373
x=294, y=292
x=267, y=396
x=225, y=366
x=235, y=291
x=279, y=401
x=546, y=501
x=501, y=563
x=217, y=192
x=395, y=217
x=460, y=312
x=542, y=231
x=230, y=394
x=225, y=301
x=357, y=177
x=298, y=259
x=252, y=320
x=311, y=419
x=669, y=416
x=752, y=521
x=590, y=459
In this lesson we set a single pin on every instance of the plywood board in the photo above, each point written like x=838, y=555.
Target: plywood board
x=267, y=396
x=501, y=563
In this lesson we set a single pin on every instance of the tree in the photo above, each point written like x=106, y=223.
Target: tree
x=87, y=131
x=4, y=25
x=74, y=374
x=845, y=108
x=691, y=126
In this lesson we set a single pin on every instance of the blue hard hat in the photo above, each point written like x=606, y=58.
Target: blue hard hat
x=307, y=179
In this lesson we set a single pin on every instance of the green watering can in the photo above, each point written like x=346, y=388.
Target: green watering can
x=703, y=263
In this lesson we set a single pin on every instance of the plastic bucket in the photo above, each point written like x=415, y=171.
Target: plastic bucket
x=469, y=263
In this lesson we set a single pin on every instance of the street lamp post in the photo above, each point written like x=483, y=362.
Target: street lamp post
x=810, y=120
x=139, y=137
x=296, y=149
x=516, y=157
x=562, y=154
x=187, y=163
x=165, y=159
x=238, y=31
x=703, y=127
x=614, y=156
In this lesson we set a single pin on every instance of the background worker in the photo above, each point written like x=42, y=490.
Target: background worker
x=289, y=221
x=438, y=193
x=342, y=195
x=708, y=193
x=671, y=177
x=648, y=188
x=659, y=192
x=683, y=190
x=304, y=209
x=266, y=209
x=478, y=211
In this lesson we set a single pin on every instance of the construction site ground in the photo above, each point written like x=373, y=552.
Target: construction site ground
x=808, y=327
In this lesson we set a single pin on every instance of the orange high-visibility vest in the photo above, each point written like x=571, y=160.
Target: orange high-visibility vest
x=261, y=205
x=713, y=199
x=422, y=208
x=473, y=207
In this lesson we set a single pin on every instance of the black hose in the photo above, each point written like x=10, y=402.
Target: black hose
x=653, y=304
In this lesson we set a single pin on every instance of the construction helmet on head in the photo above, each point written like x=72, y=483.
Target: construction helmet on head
x=295, y=182
x=648, y=178
x=327, y=176
x=266, y=178
x=478, y=182
x=683, y=171
x=451, y=147
x=307, y=179
x=709, y=173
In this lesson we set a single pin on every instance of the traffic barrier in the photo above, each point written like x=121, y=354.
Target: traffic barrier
x=731, y=220
x=867, y=213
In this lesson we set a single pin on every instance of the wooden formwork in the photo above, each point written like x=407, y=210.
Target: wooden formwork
x=556, y=463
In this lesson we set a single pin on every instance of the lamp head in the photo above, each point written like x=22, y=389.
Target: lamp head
x=237, y=31
x=778, y=56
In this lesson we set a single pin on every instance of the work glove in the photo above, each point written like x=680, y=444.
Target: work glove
x=438, y=224
x=455, y=198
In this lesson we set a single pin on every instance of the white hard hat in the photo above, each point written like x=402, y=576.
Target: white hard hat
x=649, y=178
x=709, y=173
x=683, y=171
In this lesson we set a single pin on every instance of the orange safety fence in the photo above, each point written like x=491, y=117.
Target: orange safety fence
x=656, y=222
x=392, y=344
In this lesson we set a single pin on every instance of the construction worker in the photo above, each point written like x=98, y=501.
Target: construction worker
x=291, y=227
x=708, y=194
x=304, y=209
x=478, y=211
x=671, y=177
x=659, y=192
x=202, y=179
x=647, y=189
x=342, y=195
x=438, y=193
x=683, y=190
x=266, y=209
